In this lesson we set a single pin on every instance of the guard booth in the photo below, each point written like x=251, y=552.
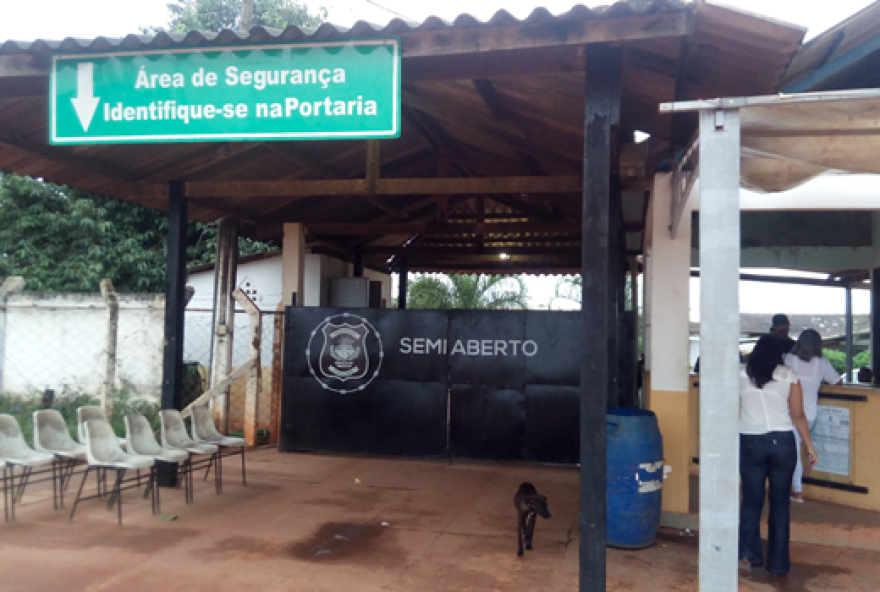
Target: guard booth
x=500, y=147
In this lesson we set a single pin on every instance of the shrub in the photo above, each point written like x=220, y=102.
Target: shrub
x=23, y=407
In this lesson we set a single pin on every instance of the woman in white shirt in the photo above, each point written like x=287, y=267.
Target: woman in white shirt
x=771, y=408
x=812, y=369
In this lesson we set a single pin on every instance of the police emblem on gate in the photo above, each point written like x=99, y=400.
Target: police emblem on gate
x=344, y=364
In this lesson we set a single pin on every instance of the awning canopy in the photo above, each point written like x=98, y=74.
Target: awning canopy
x=770, y=143
x=486, y=174
x=789, y=139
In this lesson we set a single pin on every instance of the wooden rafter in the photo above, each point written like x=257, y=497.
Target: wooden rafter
x=451, y=229
x=198, y=162
x=406, y=186
x=61, y=156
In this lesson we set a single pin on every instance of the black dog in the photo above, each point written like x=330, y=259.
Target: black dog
x=528, y=505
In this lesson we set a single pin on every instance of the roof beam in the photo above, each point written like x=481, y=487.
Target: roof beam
x=451, y=229
x=61, y=156
x=198, y=162
x=297, y=155
x=469, y=40
x=411, y=186
x=492, y=64
x=835, y=67
x=417, y=250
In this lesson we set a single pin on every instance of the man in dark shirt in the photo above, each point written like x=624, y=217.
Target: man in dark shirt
x=779, y=329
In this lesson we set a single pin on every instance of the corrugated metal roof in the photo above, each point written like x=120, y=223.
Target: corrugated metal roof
x=832, y=44
x=328, y=31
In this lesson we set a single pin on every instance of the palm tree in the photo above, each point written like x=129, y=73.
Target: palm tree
x=481, y=292
x=571, y=289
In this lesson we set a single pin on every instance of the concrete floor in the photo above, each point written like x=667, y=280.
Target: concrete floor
x=315, y=523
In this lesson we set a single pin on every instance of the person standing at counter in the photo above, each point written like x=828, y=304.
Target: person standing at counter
x=771, y=408
x=813, y=369
x=779, y=327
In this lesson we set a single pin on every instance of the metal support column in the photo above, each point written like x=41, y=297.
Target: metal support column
x=402, y=281
x=634, y=303
x=875, y=324
x=615, y=283
x=719, y=348
x=601, y=112
x=358, y=265
x=175, y=297
x=849, y=333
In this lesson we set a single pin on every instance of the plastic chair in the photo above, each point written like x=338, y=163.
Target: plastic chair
x=104, y=453
x=14, y=452
x=51, y=435
x=205, y=432
x=142, y=442
x=85, y=413
x=173, y=435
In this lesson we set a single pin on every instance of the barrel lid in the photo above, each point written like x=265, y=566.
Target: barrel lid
x=629, y=412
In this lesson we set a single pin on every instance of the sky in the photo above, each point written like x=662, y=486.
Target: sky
x=56, y=19
x=26, y=20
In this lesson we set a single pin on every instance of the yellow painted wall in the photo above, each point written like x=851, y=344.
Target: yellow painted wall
x=673, y=415
x=865, y=442
x=694, y=422
x=865, y=459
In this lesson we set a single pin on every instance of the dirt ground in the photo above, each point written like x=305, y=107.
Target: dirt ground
x=316, y=523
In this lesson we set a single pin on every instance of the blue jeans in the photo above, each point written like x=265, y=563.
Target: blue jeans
x=766, y=456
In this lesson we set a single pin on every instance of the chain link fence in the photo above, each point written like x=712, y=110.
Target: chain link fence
x=197, y=356
x=59, y=342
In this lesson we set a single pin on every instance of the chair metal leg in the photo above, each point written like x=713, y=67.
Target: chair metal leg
x=120, y=473
x=54, y=484
x=68, y=464
x=25, y=476
x=157, y=508
x=10, y=488
x=116, y=492
x=218, y=472
x=79, y=493
x=189, y=476
x=5, y=495
x=185, y=477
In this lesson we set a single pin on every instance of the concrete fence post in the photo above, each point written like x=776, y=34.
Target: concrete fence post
x=277, y=349
x=10, y=285
x=252, y=396
x=223, y=321
x=108, y=388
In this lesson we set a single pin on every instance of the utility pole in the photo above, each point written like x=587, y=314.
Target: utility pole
x=247, y=14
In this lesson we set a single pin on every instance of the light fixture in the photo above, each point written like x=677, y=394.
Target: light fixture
x=504, y=256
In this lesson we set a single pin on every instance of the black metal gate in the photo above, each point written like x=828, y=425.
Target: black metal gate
x=479, y=384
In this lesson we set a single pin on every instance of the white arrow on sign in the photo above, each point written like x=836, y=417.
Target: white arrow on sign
x=85, y=102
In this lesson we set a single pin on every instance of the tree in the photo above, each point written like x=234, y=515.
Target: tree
x=215, y=15
x=571, y=289
x=60, y=239
x=838, y=359
x=467, y=292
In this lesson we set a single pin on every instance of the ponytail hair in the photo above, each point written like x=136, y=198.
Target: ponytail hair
x=763, y=360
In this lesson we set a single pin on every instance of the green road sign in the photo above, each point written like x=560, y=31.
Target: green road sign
x=309, y=91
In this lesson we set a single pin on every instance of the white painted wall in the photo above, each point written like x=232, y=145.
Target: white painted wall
x=825, y=192
x=57, y=341
x=667, y=293
x=260, y=279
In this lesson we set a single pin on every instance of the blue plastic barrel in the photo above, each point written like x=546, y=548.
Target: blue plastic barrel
x=634, y=477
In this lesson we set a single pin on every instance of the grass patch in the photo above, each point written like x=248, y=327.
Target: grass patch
x=22, y=409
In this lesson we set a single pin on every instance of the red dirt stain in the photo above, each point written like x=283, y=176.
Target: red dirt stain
x=335, y=541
